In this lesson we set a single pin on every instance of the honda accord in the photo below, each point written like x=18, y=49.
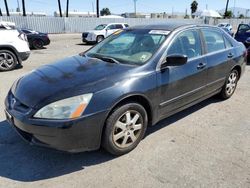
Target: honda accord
x=108, y=95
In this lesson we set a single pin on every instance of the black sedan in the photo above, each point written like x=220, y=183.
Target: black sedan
x=108, y=95
x=37, y=40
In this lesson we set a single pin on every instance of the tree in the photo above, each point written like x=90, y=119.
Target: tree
x=228, y=14
x=241, y=16
x=105, y=11
x=194, y=7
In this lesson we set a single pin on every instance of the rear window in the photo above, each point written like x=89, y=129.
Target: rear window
x=214, y=40
x=244, y=28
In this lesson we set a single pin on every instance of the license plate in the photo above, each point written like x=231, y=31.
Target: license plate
x=9, y=117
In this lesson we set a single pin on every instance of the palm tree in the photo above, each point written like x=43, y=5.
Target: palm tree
x=97, y=8
x=23, y=4
x=226, y=9
x=60, y=8
x=6, y=6
x=194, y=6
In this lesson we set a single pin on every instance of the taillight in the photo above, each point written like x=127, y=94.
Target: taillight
x=22, y=36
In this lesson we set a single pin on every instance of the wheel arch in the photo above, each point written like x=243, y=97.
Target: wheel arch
x=238, y=68
x=13, y=50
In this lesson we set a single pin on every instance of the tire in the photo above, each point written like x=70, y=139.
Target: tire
x=122, y=135
x=230, y=85
x=99, y=38
x=37, y=44
x=8, y=60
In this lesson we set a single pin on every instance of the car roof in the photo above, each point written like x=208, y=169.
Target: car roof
x=167, y=26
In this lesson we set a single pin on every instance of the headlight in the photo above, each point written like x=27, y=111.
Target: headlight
x=69, y=108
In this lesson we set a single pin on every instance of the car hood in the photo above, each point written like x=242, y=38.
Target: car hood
x=66, y=78
x=95, y=31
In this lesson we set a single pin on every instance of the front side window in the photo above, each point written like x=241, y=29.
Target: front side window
x=118, y=26
x=213, y=40
x=129, y=46
x=186, y=43
x=100, y=27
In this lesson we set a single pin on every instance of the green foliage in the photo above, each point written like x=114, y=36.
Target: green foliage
x=241, y=16
x=105, y=11
x=194, y=7
x=228, y=14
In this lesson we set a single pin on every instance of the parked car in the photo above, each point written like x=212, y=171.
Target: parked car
x=243, y=33
x=230, y=32
x=13, y=47
x=37, y=40
x=102, y=31
x=225, y=25
x=135, y=78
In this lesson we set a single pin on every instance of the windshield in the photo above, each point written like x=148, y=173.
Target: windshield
x=100, y=27
x=129, y=46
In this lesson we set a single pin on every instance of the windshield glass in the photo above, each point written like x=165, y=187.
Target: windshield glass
x=100, y=27
x=129, y=46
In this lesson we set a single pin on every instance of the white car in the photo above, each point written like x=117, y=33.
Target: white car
x=225, y=25
x=102, y=31
x=14, y=47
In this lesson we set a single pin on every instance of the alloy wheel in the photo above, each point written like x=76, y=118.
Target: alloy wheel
x=231, y=83
x=127, y=129
x=6, y=61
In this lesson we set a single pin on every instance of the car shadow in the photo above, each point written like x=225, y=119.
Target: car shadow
x=20, y=161
x=34, y=49
x=180, y=115
x=85, y=44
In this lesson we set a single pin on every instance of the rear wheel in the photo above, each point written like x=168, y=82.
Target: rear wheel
x=37, y=44
x=230, y=85
x=125, y=128
x=8, y=60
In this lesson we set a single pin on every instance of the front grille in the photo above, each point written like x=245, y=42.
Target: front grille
x=84, y=35
x=17, y=105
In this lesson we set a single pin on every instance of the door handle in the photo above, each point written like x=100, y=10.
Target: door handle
x=201, y=66
x=230, y=55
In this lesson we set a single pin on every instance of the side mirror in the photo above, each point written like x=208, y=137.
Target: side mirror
x=175, y=60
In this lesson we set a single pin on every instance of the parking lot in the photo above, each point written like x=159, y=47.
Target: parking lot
x=207, y=145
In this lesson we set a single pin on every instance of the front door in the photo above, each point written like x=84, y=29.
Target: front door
x=181, y=85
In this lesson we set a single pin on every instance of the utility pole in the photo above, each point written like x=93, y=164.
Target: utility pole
x=1, y=12
x=67, y=9
x=60, y=8
x=97, y=9
x=24, y=11
x=6, y=6
x=226, y=9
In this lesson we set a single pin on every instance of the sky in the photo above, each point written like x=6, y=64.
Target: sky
x=121, y=6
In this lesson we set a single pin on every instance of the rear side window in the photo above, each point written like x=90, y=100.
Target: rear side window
x=111, y=27
x=228, y=43
x=213, y=40
x=118, y=26
x=186, y=43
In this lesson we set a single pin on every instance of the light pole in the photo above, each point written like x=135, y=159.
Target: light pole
x=60, y=8
x=135, y=6
x=226, y=9
x=6, y=6
x=67, y=9
x=24, y=11
x=1, y=12
x=97, y=9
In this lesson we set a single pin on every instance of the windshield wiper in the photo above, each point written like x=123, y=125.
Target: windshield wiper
x=109, y=59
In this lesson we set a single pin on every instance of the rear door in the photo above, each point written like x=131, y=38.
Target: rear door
x=181, y=85
x=218, y=57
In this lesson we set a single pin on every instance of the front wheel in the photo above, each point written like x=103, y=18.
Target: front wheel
x=37, y=44
x=99, y=38
x=230, y=85
x=125, y=128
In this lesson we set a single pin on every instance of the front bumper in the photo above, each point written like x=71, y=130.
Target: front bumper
x=24, y=55
x=82, y=134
